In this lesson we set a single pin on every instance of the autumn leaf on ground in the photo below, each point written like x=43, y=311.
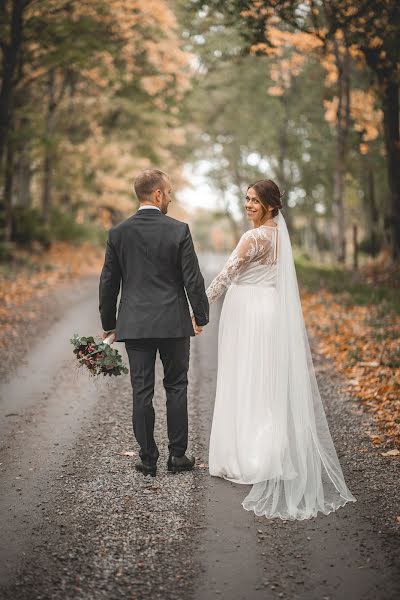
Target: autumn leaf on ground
x=363, y=344
x=22, y=284
x=394, y=452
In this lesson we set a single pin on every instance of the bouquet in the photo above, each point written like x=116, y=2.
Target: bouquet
x=98, y=356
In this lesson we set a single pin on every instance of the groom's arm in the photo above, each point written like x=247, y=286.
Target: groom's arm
x=110, y=282
x=193, y=280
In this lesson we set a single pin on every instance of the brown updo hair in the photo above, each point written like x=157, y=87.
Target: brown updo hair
x=268, y=194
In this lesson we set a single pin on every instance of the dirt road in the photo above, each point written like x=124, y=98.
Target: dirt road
x=79, y=522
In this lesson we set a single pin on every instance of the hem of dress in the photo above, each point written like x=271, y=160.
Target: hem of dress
x=235, y=480
x=330, y=508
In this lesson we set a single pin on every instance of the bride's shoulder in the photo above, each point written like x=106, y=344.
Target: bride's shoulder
x=258, y=232
x=248, y=235
x=247, y=238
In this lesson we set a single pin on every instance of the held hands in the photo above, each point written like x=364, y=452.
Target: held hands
x=197, y=328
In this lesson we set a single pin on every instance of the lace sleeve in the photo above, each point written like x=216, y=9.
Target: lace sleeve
x=244, y=253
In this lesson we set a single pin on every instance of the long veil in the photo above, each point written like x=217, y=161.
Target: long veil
x=311, y=479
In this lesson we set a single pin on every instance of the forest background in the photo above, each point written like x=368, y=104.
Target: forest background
x=217, y=94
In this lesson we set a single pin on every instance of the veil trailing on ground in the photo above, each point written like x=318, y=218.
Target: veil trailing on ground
x=311, y=479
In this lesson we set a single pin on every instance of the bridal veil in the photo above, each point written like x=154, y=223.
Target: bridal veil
x=310, y=479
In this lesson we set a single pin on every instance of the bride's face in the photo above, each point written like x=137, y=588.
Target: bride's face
x=254, y=209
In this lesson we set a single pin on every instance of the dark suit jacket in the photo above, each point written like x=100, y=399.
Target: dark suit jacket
x=153, y=257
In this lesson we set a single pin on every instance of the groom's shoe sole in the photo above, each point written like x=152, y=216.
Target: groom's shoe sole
x=179, y=469
x=145, y=470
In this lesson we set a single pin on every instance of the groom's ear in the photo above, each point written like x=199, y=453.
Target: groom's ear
x=160, y=196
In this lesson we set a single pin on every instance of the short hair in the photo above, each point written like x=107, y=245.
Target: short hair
x=147, y=181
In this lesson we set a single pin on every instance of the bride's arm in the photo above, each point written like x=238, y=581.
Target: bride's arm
x=242, y=255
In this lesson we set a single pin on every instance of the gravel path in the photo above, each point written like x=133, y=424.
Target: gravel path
x=106, y=531
x=352, y=553
x=79, y=522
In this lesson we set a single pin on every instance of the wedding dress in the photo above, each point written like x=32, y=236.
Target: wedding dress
x=269, y=427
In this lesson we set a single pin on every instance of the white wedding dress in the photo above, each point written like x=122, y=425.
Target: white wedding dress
x=269, y=427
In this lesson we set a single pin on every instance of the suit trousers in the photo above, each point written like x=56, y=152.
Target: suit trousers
x=174, y=354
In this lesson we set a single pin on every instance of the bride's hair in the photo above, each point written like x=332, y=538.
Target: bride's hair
x=268, y=193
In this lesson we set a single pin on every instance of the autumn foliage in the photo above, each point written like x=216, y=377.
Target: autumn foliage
x=357, y=43
x=24, y=289
x=363, y=343
x=89, y=95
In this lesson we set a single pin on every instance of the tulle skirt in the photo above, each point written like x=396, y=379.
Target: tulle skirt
x=256, y=438
x=246, y=440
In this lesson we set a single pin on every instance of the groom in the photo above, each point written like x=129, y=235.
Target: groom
x=154, y=258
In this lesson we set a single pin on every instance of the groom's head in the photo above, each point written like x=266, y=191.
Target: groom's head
x=153, y=187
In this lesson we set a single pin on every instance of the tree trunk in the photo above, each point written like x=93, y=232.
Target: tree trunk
x=9, y=63
x=8, y=185
x=390, y=105
x=10, y=58
x=342, y=129
x=355, y=247
x=373, y=209
x=370, y=208
x=49, y=148
x=22, y=178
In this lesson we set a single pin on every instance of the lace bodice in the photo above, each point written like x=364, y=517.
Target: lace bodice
x=253, y=262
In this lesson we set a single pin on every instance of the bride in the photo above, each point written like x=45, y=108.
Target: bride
x=269, y=427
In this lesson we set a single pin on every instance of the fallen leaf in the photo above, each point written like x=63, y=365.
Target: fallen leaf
x=368, y=364
x=394, y=452
x=363, y=346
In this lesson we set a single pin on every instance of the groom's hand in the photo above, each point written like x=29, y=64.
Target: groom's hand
x=110, y=334
x=197, y=328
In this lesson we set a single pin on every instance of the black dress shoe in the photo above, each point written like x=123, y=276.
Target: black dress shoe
x=146, y=469
x=176, y=464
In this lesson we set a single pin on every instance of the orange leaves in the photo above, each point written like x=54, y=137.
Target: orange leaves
x=364, y=346
x=291, y=50
x=261, y=47
x=73, y=261
x=119, y=71
x=276, y=90
x=331, y=107
x=366, y=118
x=394, y=452
x=329, y=63
x=64, y=261
x=298, y=40
x=375, y=42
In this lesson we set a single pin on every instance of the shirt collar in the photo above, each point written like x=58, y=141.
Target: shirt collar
x=148, y=206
